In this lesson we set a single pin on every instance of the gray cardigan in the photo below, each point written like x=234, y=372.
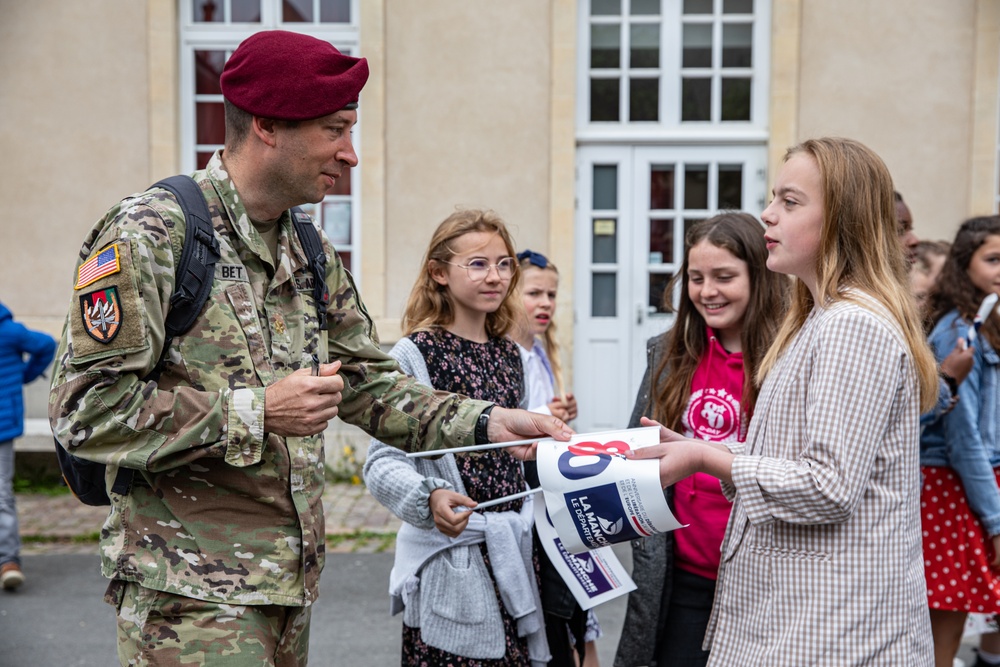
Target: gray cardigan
x=439, y=583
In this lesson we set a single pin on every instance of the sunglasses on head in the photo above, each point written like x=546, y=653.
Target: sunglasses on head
x=534, y=258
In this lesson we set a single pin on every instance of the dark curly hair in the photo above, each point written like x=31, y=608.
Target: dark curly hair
x=955, y=290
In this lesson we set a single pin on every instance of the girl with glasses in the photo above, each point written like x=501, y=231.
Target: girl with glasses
x=464, y=603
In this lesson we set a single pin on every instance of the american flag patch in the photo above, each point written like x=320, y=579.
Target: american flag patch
x=103, y=264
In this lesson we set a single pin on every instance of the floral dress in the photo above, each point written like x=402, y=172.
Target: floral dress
x=489, y=371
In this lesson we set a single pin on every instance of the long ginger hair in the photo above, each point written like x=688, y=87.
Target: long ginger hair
x=859, y=248
x=429, y=305
x=743, y=236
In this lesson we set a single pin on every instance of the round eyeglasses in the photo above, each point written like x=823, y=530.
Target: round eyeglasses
x=478, y=269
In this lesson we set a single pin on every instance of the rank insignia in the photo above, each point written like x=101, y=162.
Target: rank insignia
x=101, y=312
x=104, y=263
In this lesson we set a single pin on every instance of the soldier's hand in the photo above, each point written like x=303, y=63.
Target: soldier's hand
x=508, y=424
x=302, y=403
x=442, y=504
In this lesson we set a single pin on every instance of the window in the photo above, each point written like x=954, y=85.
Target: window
x=210, y=31
x=671, y=128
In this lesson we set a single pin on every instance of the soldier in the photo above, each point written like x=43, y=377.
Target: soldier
x=217, y=547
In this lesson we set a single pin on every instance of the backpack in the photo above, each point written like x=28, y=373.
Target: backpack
x=195, y=273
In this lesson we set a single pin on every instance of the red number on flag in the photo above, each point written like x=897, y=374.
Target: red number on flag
x=590, y=448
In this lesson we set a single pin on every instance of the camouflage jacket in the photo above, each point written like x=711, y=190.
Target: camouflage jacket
x=220, y=510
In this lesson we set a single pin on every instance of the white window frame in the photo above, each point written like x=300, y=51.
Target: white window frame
x=670, y=128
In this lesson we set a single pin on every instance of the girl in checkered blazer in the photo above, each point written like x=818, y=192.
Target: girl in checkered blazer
x=821, y=562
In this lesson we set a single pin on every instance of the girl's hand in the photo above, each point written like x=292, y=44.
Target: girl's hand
x=959, y=361
x=565, y=411
x=680, y=457
x=995, y=563
x=446, y=519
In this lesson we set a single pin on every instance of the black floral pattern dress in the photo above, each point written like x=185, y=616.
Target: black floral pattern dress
x=489, y=371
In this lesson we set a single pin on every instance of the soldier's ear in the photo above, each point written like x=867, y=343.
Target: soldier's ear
x=265, y=129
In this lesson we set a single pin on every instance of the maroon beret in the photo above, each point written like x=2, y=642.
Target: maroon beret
x=291, y=76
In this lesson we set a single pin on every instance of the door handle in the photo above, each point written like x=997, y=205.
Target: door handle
x=639, y=313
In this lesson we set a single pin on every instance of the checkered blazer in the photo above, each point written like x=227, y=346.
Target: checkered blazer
x=822, y=563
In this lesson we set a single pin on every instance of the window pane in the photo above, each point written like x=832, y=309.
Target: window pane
x=658, y=283
x=696, y=99
x=688, y=224
x=730, y=187
x=645, y=7
x=345, y=259
x=661, y=187
x=604, y=99
x=737, y=43
x=297, y=11
x=644, y=99
x=207, y=70
x=604, y=249
x=735, y=99
x=211, y=122
x=645, y=45
x=203, y=158
x=602, y=295
x=737, y=6
x=246, y=11
x=605, y=46
x=605, y=187
x=337, y=222
x=697, y=45
x=697, y=6
x=605, y=7
x=207, y=11
x=334, y=11
x=661, y=241
x=696, y=186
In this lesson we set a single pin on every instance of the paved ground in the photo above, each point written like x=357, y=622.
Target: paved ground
x=58, y=618
x=355, y=522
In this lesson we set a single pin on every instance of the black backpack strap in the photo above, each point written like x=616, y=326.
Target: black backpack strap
x=196, y=268
x=313, y=246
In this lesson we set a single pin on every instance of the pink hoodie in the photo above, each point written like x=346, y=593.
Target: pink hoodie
x=713, y=413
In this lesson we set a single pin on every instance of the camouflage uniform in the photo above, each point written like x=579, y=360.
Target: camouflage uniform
x=221, y=511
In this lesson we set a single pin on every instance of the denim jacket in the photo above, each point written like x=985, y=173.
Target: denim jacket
x=966, y=439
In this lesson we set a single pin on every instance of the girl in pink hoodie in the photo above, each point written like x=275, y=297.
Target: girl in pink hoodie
x=699, y=381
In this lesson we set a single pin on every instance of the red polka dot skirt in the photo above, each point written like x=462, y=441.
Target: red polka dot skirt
x=957, y=553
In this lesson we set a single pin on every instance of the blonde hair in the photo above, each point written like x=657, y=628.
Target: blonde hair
x=549, y=339
x=430, y=305
x=859, y=248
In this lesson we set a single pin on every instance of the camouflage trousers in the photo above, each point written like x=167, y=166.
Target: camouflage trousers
x=165, y=630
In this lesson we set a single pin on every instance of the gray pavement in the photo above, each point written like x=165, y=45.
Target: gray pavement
x=58, y=616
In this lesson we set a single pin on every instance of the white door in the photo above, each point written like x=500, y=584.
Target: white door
x=634, y=206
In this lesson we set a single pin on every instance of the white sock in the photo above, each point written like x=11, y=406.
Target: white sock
x=988, y=658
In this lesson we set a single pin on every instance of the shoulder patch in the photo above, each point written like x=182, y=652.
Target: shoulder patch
x=109, y=318
x=101, y=312
x=104, y=263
